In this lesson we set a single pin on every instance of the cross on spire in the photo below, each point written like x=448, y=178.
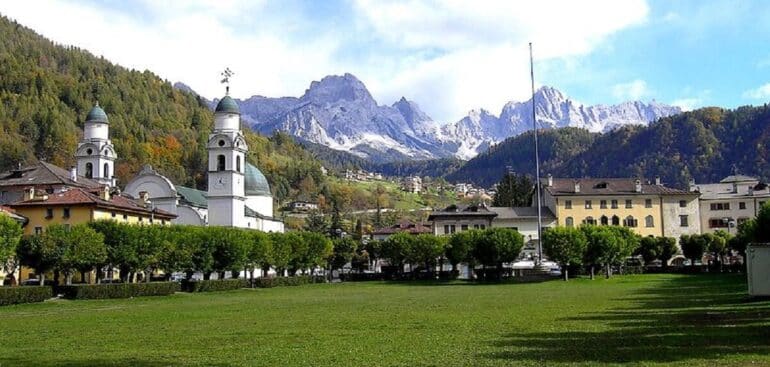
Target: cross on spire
x=226, y=79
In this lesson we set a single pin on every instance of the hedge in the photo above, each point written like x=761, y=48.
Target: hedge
x=285, y=281
x=214, y=285
x=124, y=290
x=14, y=295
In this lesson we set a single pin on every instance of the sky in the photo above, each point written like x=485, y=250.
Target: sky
x=449, y=56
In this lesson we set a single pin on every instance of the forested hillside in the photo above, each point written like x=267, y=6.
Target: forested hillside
x=706, y=144
x=46, y=90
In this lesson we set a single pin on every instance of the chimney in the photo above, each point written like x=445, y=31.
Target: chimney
x=638, y=185
x=29, y=194
x=550, y=180
x=74, y=174
x=577, y=186
x=693, y=188
x=144, y=198
x=657, y=180
x=735, y=187
x=105, y=194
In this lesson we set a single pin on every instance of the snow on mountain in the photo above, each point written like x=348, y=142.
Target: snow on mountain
x=339, y=112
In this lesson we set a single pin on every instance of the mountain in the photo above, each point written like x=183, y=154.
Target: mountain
x=705, y=145
x=340, y=113
x=46, y=90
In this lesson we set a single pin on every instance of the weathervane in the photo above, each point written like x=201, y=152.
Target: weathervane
x=226, y=79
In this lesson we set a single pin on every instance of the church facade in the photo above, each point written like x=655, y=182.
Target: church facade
x=238, y=193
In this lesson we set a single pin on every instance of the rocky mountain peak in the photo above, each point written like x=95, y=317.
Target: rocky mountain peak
x=336, y=88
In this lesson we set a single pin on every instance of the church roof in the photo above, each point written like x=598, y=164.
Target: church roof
x=97, y=114
x=192, y=196
x=228, y=105
x=256, y=184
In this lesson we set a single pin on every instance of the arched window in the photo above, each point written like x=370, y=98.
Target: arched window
x=629, y=221
x=649, y=221
x=89, y=170
x=106, y=170
x=604, y=220
x=221, y=162
x=238, y=164
x=615, y=220
x=590, y=220
x=569, y=222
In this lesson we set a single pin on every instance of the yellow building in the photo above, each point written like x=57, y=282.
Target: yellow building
x=646, y=208
x=75, y=205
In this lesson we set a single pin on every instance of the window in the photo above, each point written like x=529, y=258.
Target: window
x=588, y=204
x=569, y=222
x=464, y=227
x=112, y=214
x=720, y=206
x=106, y=170
x=140, y=219
x=163, y=222
x=614, y=204
x=221, y=143
x=483, y=226
x=568, y=204
x=630, y=222
x=742, y=220
x=615, y=220
x=742, y=205
x=648, y=203
x=683, y=222
x=590, y=220
x=649, y=221
x=38, y=230
x=125, y=217
x=717, y=223
x=629, y=204
x=452, y=228
x=89, y=170
x=221, y=162
x=603, y=204
x=475, y=226
x=238, y=164
x=48, y=213
x=446, y=229
x=66, y=213
x=604, y=220
x=682, y=203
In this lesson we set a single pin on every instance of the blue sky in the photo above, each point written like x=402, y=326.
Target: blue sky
x=448, y=56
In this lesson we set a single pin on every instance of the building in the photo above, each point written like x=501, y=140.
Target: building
x=456, y=218
x=238, y=193
x=405, y=226
x=647, y=209
x=95, y=154
x=77, y=206
x=42, y=176
x=302, y=206
x=524, y=220
x=732, y=201
x=412, y=184
x=7, y=211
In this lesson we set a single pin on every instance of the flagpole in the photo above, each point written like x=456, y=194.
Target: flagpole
x=537, y=165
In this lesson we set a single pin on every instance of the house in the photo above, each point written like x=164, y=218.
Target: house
x=302, y=206
x=646, y=208
x=44, y=177
x=524, y=220
x=455, y=218
x=405, y=226
x=412, y=184
x=730, y=202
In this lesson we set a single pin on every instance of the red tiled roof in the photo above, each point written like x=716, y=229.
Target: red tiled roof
x=79, y=196
x=43, y=174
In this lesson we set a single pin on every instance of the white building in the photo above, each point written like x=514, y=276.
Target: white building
x=412, y=184
x=95, y=154
x=732, y=201
x=238, y=193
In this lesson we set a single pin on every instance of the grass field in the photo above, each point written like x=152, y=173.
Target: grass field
x=639, y=320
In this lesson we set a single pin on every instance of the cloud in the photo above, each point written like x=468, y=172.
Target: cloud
x=761, y=92
x=634, y=90
x=687, y=104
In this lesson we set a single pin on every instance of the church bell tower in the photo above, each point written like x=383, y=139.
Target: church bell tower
x=95, y=154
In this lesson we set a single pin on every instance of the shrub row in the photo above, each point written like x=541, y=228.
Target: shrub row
x=125, y=290
x=15, y=295
x=285, y=281
x=214, y=285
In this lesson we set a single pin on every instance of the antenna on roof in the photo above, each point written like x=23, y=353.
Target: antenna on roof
x=226, y=79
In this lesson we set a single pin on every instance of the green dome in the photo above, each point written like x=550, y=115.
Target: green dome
x=228, y=105
x=97, y=114
x=256, y=183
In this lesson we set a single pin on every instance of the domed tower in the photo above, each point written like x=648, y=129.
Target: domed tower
x=227, y=149
x=258, y=195
x=95, y=154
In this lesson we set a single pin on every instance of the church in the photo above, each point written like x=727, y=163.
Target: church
x=238, y=193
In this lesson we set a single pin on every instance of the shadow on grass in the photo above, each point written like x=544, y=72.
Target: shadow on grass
x=692, y=317
x=94, y=362
x=462, y=282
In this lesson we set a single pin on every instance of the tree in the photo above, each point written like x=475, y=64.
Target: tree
x=121, y=252
x=426, y=249
x=319, y=249
x=282, y=250
x=299, y=260
x=10, y=236
x=373, y=250
x=718, y=247
x=258, y=253
x=460, y=248
x=316, y=222
x=396, y=249
x=85, y=251
x=649, y=249
x=565, y=246
x=668, y=249
x=230, y=248
x=602, y=248
x=496, y=246
x=32, y=252
x=693, y=247
x=344, y=249
x=513, y=190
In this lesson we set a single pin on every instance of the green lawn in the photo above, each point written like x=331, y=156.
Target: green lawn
x=642, y=320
